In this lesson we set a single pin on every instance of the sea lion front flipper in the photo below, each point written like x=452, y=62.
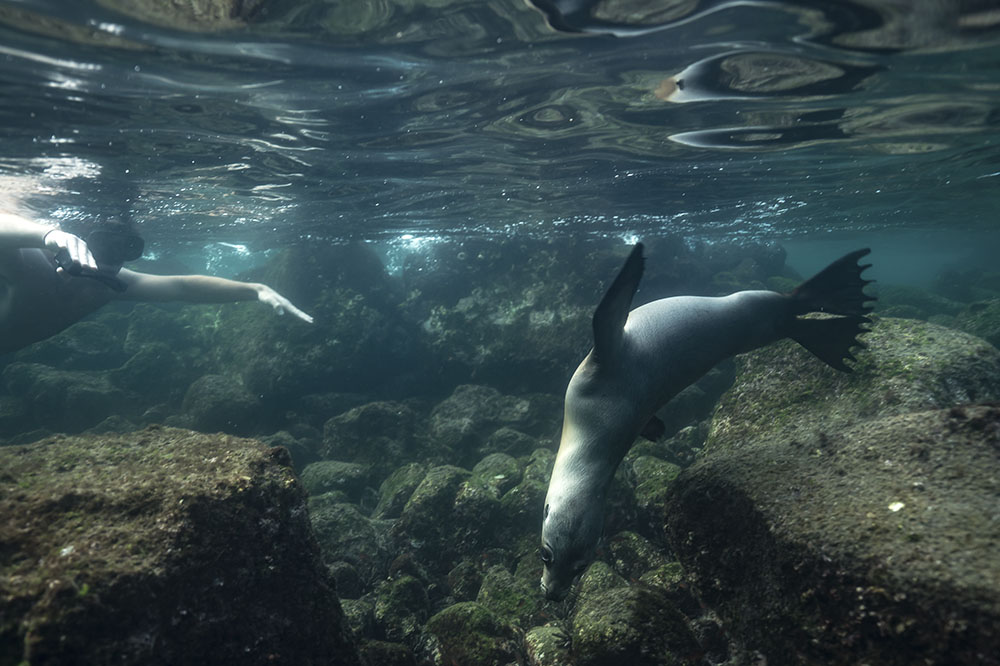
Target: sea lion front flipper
x=612, y=311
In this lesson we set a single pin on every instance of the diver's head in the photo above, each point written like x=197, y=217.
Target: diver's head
x=570, y=533
x=114, y=244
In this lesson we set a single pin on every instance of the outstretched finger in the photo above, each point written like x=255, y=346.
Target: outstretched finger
x=299, y=313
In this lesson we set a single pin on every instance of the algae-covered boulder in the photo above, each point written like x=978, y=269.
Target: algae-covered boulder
x=981, y=318
x=359, y=341
x=469, y=633
x=221, y=403
x=634, y=625
x=499, y=472
x=66, y=400
x=385, y=653
x=844, y=519
x=154, y=371
x=344, y=533
x=332, y=475
x=467, y=419
x=396, y=490
x=651, y=478
x=516, y=599
x=401, y=607
x=160, y=547
x=909, y=366
x=547, y=646
x=427, y=521
x=380, y=434
x=87, y=345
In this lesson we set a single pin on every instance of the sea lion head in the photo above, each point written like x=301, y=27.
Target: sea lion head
x=570, y=533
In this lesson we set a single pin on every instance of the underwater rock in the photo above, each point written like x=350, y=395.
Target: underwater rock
x=520, y=516
x=510, y=441
x=345, y=534
x=832, y=521
x=13, y=416
x=360, y=343
x=651, y=478
x=347, y=580
x=329, y=475
x=547, y=646
x=67, y=400
x=533, y=326
x=633, y=555
x=396, y=490
x=473, y=413
x=912, y=302
x=380, y=434
x=302, y=449
x=87, y=345
x=359, y=614
x=908, y=366
x=385, y=653
x=155, y=372
x=635, y=625
x=598, y=578
x=499, y=472
x=401, y=608
x=475, y=516
x=469, y=633
x=159, y=547
x=220, y=403
x=981, y=318
x=464, y=581
x=515, y=599
x=973, y=284
x=426, y=522
x=187, y=330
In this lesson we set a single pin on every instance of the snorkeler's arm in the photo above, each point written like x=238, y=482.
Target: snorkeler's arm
x=18, y=232
x=202, y=289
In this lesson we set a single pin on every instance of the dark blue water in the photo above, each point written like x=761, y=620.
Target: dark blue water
x=285, y=122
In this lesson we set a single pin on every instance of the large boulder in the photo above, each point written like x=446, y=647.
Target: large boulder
x=221, y=403
x=159, y=547
x=845, y=518
x=66, y=400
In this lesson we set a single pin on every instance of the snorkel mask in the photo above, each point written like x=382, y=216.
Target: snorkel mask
x=112, y=248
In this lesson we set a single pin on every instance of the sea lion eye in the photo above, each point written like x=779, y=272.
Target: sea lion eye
x=546, y=554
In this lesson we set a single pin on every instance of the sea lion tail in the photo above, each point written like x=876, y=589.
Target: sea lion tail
x=838, y=289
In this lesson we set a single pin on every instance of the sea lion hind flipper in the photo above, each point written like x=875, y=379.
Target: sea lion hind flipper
x=831, y=338
x=612, y=311
x=837, y=289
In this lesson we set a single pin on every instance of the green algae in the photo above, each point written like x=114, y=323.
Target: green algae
x=112, y=544
x=470, y=633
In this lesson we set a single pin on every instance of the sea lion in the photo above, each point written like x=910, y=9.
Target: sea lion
x=642, y=359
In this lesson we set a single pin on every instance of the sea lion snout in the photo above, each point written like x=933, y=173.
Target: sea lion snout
x=551, y=589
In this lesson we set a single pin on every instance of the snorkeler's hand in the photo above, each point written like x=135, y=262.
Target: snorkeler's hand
x=71, y=251
x=280, y=304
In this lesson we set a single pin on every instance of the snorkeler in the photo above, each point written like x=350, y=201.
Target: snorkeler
x=44, y=285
